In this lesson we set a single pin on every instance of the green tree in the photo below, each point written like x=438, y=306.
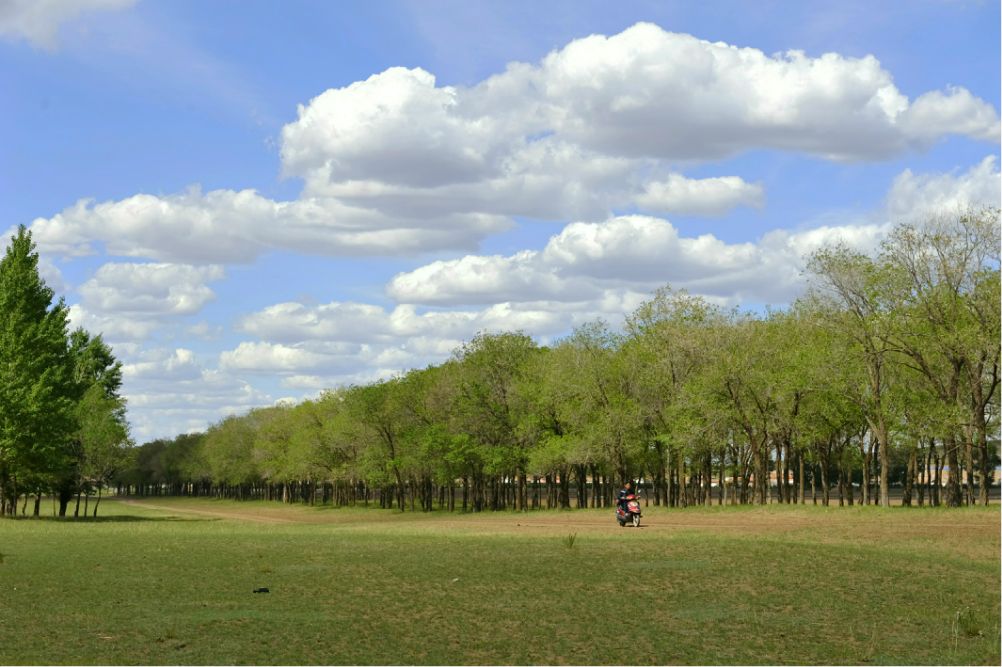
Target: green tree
x=668, y=345
x=491, y=366
x=37, y=391
x=946, y=301
x=856, y=292
x=104, y=439
x=100, y=445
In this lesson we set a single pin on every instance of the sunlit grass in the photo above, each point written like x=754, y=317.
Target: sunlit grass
x=760, y=585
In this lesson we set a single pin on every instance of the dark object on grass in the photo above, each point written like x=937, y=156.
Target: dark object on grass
x=261, y=590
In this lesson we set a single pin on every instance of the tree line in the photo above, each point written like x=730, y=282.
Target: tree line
x=885, y=373
x=63, y=429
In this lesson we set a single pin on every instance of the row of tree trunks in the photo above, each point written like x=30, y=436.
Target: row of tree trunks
x=675, y=481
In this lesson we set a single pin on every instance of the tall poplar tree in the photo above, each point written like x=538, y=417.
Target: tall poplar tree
x=37, y=389
x=100, y=447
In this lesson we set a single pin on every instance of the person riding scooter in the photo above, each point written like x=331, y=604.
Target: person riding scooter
x=627, y=490
x=627, y=506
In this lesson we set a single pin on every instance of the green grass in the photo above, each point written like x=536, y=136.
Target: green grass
x=719, y=585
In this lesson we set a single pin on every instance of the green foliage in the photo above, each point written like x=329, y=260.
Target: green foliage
x=37, y=389
x=103, y=434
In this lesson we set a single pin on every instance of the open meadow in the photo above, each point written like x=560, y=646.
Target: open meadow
x=171, y=581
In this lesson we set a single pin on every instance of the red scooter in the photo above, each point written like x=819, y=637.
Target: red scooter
x=631, y=513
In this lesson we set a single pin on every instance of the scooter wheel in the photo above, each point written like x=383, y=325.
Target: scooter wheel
x=636, y=521
x=622, y=524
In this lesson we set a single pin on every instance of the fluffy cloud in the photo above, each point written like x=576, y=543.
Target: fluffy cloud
x=706, y=196
x=394, y=127
x=544, y=178
x=51, y=274
x=916, y=196
x=128, y=302
x=260, y=357
x=314, y=347
x=372, y=328
x=397, y=164
x=168, y=365
x=648, y=92
x=114, y=328
x=150, y=289
x=629, y=252
x=935, y=114
x=170, y=391
x=643, y=94
x=320, y=364
x=229, y=226
x=640, y=253
x=38, y=21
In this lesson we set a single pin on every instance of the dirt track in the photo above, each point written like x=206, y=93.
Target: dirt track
x=237, y=516
x=656, y=520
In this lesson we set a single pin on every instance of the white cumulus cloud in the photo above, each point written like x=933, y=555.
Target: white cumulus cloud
x=397, y=164
x=116, y=328
x=231, y=226
x=642, y=94
x=703, y=196
x=150, y=289
x=916, y=196
x=638, y=253
x=171, y=391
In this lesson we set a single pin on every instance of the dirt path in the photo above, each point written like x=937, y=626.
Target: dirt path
x=526, y=521
x=520, y=522
x=238, y=516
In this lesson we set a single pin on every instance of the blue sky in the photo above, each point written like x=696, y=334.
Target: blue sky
x=256, y=200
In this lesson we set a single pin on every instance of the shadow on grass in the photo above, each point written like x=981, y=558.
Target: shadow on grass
x=114, y=518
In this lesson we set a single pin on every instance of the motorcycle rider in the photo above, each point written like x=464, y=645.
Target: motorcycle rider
x=627, y=490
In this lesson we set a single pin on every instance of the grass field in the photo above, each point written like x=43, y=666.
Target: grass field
x=171, y=581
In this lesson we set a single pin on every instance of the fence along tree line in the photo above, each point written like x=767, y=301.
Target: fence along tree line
x=887, y=371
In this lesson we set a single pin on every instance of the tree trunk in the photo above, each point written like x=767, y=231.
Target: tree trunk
x=800, y=463
x=864, y=482
x=969, y=465
x=885, y=464
x=920, y=479
x=565, y=489
x=721, y=488
x=65, y=495
x=581, y=474
x=841, y=486
x=953, y=493
x=906, y=496
x=825, y=499
x=985, y=465
x=814, y=485
x=938, y=485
